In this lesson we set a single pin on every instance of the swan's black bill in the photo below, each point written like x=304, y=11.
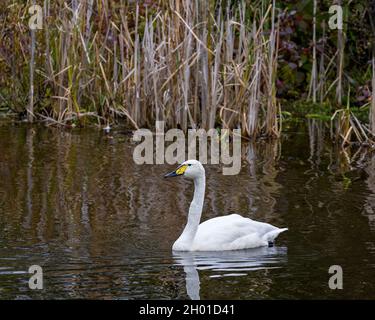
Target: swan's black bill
x=171, y=174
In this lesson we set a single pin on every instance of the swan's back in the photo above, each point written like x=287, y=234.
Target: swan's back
x=233, y=232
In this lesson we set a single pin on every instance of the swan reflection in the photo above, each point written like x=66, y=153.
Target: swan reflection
x=227, y=263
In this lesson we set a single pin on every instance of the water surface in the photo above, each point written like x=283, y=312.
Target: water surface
x=75, y=203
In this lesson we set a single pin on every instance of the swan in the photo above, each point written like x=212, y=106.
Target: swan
x=231, y=232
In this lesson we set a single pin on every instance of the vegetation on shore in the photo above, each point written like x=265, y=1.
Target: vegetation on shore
x=191, y=63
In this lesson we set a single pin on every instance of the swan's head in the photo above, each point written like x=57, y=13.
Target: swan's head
x=191, y=169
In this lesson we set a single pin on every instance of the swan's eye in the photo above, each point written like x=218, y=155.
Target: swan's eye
x=190, y=165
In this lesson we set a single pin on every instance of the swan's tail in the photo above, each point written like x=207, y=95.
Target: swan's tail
x=272, y=235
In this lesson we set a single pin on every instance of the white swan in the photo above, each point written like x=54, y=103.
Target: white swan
x=231, y=232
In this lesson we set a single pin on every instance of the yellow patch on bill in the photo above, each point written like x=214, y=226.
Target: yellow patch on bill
x=181, y=170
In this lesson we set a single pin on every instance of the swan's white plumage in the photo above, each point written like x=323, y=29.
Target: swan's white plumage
x=231, y=232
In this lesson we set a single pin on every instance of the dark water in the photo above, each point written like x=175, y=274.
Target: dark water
x=102, y=227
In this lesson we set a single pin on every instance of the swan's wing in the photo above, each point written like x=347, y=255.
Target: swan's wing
x=232, y=232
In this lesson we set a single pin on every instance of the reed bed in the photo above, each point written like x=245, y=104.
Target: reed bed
x=189, y=63
x=330, y=78
x=192, y=64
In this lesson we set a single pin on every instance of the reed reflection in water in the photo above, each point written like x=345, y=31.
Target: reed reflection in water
x=101, y=226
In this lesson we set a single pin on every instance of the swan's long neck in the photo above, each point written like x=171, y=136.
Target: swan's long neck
x=185, y=241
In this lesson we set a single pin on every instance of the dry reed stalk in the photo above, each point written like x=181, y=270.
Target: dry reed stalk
x=340, y=62
x=271, y=121
x=372, y=110
x=137, y=69
x=30, y=107
x=313, y=82
x=254, y=99
x=216, y=87
x=321, y=75
x=372, y=107
x=205, y=72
